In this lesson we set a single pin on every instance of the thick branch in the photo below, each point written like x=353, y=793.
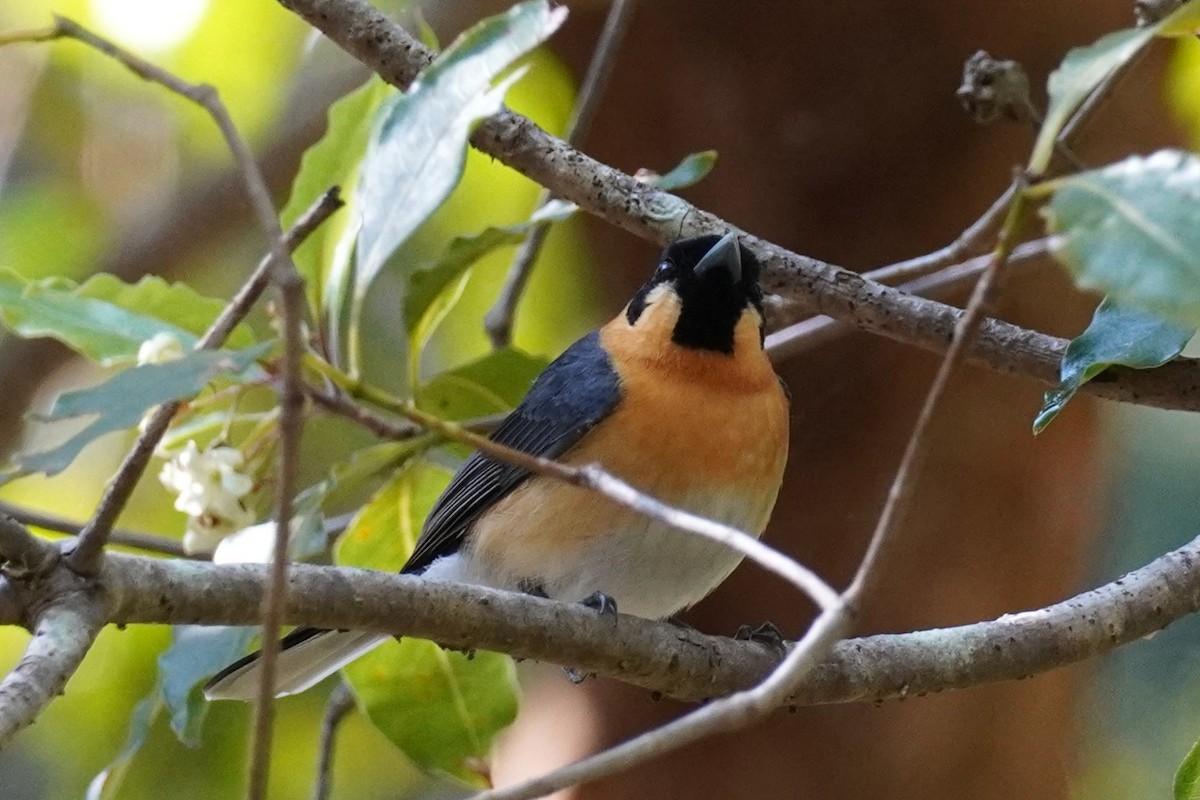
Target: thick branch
x=61, y=639
x=659, y=656
x=804, y=285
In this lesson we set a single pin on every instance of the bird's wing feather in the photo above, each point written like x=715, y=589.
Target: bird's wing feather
x=575, y=392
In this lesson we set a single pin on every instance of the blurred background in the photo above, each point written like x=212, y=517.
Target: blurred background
x=839, y=137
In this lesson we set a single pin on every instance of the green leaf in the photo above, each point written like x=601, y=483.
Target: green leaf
x=489, y=385
x=1132, y=230
x=430, y=283
x=688, y=172
x=442, y=709
x=433, y=290
x=175, y=303
x=324, y=258
x=369, y=465
x=105, y=319
x=197, y=652
x=122, y=400
x=1084, y=68
x=1116, y=335
x=418, y=148
x=1187, y=778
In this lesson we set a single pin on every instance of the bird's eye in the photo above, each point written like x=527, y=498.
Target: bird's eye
x=665, y=271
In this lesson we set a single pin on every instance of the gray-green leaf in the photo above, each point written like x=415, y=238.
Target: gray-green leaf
x=122, y=400
x=105, y=319
x=1116, y=335
x=196, y=653
x=1132, y=230
x=688, y=172
x=418, y=149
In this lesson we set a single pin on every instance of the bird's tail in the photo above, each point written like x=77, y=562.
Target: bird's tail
x=306, y=655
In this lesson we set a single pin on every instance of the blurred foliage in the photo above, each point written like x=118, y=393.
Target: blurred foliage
x=90, y=162
x=1138, y=719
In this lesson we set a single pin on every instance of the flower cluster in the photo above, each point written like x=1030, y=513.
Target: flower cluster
x=210, y=488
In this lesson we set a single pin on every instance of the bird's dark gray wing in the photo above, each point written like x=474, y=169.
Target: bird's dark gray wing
x=576, y=391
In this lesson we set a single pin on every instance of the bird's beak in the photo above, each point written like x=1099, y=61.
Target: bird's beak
x=725, y=254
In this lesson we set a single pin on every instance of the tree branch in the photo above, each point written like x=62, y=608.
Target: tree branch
x=52, y=522
x=64, y=632
x=658, y=656
x=803, y=285
x=813, y=332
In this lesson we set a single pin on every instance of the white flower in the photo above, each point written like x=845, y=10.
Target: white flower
x=209, y=489
x=160, y=348
x=253, y=545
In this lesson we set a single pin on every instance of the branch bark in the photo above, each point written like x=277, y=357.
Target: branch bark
x=63, y=634
x=658, y=656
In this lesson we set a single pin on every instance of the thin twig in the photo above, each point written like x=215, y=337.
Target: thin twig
x=87, y=553
x=498, y=322
x=974, y=240
x=900, y=493
x=383, y=427
x=291, y=422
x=51, y=522
x=814, y=332
x=340, y=704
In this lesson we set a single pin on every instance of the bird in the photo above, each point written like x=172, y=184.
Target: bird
x=676, y=396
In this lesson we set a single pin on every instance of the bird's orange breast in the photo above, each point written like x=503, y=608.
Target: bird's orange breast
x=700, y=430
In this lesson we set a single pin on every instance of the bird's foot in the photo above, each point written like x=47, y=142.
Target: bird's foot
x=765, y=634
x=605, y=606
x=575, y=676
x=602, y=604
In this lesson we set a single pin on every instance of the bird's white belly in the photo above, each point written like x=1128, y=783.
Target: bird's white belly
x=650, y=569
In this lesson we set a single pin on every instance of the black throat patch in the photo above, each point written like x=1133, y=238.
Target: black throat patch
x=711, y=304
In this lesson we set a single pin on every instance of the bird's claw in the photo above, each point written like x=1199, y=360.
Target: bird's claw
x=602, y=604
x=765, y=634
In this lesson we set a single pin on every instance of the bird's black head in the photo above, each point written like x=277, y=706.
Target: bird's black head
x=708, y=283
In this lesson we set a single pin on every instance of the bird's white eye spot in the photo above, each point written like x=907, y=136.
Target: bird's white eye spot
x=665, y=271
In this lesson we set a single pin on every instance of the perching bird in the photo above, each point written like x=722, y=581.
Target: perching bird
x=676, y=396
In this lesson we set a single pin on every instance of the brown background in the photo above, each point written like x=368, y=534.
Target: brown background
x=840, y=137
